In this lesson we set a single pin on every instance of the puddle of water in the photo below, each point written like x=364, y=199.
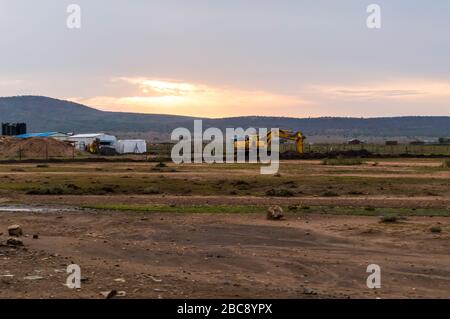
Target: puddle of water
x=29, y=209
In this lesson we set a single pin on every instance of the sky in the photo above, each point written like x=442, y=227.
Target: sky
x=299, y=58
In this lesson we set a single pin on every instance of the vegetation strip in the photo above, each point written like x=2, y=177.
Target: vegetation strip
x=247, y=209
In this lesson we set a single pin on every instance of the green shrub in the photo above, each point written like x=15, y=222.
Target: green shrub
x=329, y=194
x=389, y=219
x=436, y=229
x=151, y=191
x=53, y=190
x=355, y=193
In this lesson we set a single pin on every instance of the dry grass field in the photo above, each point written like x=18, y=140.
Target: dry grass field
x=186, y=231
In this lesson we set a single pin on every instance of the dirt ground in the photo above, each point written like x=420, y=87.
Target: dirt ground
x=207, y=255
x=220, y=255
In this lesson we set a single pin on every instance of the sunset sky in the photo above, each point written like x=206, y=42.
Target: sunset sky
x=294, y=58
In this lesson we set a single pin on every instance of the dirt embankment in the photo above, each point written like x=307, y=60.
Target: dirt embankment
x=34, y=147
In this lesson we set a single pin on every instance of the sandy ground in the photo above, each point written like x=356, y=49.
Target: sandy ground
x=180, y=255
x=241, y=255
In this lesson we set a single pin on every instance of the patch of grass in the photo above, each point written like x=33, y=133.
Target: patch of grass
x=52, y=190
x=342, y=161
x=189, y=209
x=329, y=194
x=446, y=164
x=390, y=214
x=279, y=192
x=151, y=190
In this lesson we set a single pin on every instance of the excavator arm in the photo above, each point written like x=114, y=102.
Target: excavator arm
x=298, y=137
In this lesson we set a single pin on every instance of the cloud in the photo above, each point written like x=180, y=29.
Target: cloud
x=399, y=90
x=167, y=96
x=8, y=82
x=178, y=97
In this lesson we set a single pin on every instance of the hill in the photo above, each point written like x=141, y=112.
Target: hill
x=48, y=114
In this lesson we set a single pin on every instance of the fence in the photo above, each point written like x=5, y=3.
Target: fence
x=44, y=153
x=378, y=149
x=164, y=149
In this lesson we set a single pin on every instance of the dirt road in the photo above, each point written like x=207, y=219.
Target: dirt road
x=219, y=255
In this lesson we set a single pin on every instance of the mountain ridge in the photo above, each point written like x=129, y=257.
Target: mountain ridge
x=48, y=114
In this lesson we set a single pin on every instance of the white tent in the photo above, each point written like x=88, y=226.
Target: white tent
x=131, y=146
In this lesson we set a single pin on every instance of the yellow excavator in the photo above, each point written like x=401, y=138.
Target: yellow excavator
x=99, y=148
x=262, y=143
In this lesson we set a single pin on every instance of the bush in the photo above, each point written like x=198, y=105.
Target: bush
x=342, y=161
x=241, y=182
x=436, y=229
x=446, y=164
x=108, y=189
x=330, y=194
x=53, y=190
x=151, y=191
x=279, y=192
x=355, y=193
x=389, y=219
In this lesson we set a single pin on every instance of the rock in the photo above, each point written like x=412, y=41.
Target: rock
x=14, y=242
x=155, y=279
x=275, y=212
x=308, y=291
x=119, y=280
x=33, y=277
x=15, y=230
x=109, y=294
x=35, y=236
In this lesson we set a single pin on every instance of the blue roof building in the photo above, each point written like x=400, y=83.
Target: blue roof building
x=55, y=135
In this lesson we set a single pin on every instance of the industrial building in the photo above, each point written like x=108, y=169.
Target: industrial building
x=12, y=129
x=56, y=135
